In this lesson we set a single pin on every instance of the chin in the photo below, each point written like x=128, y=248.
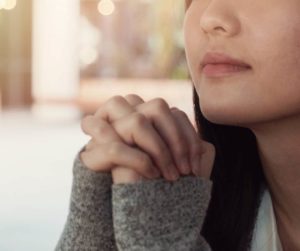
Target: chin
x=231, y=117
x=217, y=118
x=217, y=115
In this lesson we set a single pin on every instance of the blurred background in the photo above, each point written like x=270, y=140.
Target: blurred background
x=59, y=60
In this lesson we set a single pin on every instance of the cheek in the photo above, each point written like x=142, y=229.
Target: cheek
x=191, y=50
x=194, y=45
x=278, y=68
x=275, y=40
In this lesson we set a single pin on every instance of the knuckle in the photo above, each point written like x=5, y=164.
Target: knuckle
x=116, y=100
x=160, y=104
x=180, y=114
x=174, y=108
x=133, y=96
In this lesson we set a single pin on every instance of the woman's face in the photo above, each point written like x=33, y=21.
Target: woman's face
x=263, y=33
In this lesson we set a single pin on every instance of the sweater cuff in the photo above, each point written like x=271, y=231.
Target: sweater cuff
x=89, y=224
x=91, y=190
x=159, y=214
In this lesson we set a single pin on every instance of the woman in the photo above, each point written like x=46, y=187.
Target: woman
x=235, y=186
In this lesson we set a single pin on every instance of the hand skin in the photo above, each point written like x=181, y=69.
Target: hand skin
x=138, y=140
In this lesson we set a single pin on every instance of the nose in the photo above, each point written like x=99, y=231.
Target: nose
x=219, y=19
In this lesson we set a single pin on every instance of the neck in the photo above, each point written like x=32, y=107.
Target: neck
x=279, y=149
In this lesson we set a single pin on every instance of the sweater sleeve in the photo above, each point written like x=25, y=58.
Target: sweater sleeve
x=89, y=224
x=159, y=215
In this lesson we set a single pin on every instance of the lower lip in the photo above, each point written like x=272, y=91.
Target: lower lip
x=220, y=70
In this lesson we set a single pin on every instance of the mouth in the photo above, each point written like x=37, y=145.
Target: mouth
x=219, y=64
x=221, y=70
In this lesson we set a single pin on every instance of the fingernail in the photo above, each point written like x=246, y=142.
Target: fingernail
x=173, y=173
x=196, y=162
x=184, y=166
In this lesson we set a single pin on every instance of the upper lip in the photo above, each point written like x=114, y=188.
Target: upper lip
x=221, y=58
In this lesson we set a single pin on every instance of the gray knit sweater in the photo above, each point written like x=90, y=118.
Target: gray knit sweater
x=151, y=215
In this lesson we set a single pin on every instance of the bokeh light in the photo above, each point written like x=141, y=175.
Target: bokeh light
x=2, y=3
x=106, y=7
x=8, y=4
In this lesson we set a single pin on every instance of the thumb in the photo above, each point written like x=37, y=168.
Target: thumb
x=121, y=174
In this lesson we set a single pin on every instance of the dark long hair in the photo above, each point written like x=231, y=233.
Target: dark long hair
x=238, y=183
